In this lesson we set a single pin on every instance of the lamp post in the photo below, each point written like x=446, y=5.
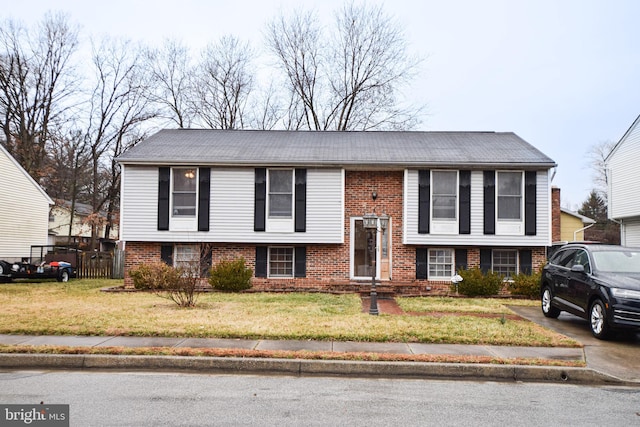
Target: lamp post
x=370, y=223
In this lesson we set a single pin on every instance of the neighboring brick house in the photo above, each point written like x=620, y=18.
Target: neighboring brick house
x=291, y=203
x=568, y=226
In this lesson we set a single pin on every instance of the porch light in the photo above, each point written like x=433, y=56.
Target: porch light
x=384, y=221
x=370, y=223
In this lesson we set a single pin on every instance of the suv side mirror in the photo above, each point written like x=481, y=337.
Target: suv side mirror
x=577, y=268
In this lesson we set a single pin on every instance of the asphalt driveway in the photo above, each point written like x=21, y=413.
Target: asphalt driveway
x=619, y=357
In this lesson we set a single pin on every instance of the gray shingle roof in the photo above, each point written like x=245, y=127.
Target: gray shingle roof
x=329, y=148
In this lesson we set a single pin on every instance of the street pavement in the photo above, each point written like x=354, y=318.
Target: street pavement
x=608, y=362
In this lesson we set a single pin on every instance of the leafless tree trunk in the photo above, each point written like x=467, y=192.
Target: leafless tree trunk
x=596, y=155
x=118, y=108
x=172, y=82
x=36, y=84
x=223, y=84
x=296, y=44
x=350, y=81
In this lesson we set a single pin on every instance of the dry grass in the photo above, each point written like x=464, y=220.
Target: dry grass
x=461, y=305
x=80, y=308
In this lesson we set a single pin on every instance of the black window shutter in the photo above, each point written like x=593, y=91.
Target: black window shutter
x=204, y=190
x=166, y=254
x=164, y=181
x=301, y=200
x=300, y=268
x=465, y=203
x=530, y=203
x=526, y=261
x=461, y=259
x=485, y=260
x=205, y=260
x=421, y=263
x=261, y=261
x=424, y=203
x=260, y=200
x=489, y=202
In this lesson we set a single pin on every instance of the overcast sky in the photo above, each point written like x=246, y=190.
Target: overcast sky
x=562, y=74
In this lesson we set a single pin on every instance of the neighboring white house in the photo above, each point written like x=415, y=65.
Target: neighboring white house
x=24, y=210
x=60, y=218
x=623, y=178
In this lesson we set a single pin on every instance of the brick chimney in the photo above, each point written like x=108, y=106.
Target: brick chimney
x=555, y=214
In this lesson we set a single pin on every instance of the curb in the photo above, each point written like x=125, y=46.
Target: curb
x=303, y=367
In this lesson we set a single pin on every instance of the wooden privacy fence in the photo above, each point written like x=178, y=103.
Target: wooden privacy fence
x=101, y=265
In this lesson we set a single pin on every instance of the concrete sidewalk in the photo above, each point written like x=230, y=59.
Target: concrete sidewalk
x=229, y=365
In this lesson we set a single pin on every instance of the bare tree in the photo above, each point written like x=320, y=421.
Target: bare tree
x=295, y=42
x=172, y=82
x=118, y=109
x=597, y=155
x=351, y=81
x=223, y=84
x=36, y=84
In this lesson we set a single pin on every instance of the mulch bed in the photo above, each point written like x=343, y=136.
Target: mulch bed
x=390, y=306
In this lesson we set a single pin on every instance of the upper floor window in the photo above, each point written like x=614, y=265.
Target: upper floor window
x=184, y=192
x=280, y=190
x=444, y=195
x=509, y=191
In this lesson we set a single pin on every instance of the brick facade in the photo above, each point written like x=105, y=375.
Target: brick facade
x=328, y=265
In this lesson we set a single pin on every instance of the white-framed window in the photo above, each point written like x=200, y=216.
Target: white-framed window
x=184, y=192
x=280, y=193
x=505, y=262
x=509, y=193
x=187, y=257
x=441, y=263
x=280, y=261
x=444, y=195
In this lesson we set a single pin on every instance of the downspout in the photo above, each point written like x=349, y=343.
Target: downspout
x=575, y=233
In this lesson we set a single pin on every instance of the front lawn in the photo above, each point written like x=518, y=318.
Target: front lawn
x=80, y=308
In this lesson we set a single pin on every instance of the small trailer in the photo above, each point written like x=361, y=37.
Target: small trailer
x=45, y=262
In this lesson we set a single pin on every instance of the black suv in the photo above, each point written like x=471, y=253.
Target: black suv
x=600, y=283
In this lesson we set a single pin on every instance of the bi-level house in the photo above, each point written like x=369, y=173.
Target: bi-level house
x=292, y=202
x=624, y=181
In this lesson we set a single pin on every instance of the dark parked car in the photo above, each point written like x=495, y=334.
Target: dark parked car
x=600, y=283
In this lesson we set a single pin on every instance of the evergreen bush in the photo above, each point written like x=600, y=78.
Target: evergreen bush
x=231, y=276
x=476, y=283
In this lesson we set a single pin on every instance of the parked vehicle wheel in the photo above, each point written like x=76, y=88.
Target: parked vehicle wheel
x=598, y=320
x=547, y=309
x=2, y=267
x=63, y=276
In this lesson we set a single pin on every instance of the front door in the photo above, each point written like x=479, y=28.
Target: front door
x=366, y=245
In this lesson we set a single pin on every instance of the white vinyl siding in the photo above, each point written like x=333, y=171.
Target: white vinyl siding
x=477, y=236
x=232, y=208
x=24, y=210
x=630, y=232
x=624, y=180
